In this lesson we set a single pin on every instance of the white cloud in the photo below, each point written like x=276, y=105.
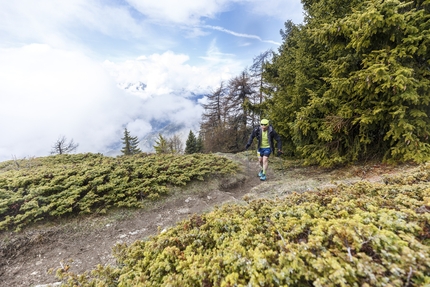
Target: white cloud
x=54, y=81
x=226, y=64
x=60, y=23
x=170, y=107
x=46, y=93
x=242, y=35
x=139, y=127
x=169, y=72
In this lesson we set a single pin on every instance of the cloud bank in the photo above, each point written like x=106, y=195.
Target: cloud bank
x=48, y=93
x=64, y=66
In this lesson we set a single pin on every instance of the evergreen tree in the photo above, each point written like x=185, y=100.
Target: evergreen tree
x=199, y=144
x=191, y=143
x=295, y=75
x=354, y=82
x=130, y=144
x=377, y=101
x=162, y=145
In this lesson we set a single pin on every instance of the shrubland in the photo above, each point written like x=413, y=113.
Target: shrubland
x=64, y=185
x=364, y=234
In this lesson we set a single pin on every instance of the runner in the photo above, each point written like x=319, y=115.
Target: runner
x=265, y=135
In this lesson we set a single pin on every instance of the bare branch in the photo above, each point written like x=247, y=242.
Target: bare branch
x=62, y=147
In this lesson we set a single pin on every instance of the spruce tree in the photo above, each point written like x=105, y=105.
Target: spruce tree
x=377, y=101
x=130, y=144
x=199, y=144
x=353, y=82
x=191, y=143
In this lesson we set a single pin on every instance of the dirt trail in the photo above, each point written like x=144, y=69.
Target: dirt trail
x=83, y=243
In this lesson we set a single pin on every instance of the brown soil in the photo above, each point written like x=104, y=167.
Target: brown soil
x=27, y=257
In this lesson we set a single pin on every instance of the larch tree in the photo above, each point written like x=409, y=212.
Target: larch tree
x=214, y=120
x=61, y=146
x=257, y=69
x=161, y=145
x=175, y=144
x=241, y=89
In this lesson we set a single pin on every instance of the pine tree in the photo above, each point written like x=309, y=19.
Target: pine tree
x=130, y=144
x=191, y=143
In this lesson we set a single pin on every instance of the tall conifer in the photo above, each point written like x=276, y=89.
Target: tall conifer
x=353, y=82
x=130, y=144
x=191, y=143
x=199, y=144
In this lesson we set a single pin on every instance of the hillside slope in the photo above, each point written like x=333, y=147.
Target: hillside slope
x=82, y=243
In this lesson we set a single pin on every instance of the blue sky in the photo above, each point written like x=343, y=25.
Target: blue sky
x=63, y=65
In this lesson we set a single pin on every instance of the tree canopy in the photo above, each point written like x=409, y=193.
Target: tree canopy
x=193, y=144
x=352, y=83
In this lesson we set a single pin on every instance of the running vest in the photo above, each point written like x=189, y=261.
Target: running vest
x=265, y=139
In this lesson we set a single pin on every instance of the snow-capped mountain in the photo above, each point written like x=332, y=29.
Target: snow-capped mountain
x=136, y=87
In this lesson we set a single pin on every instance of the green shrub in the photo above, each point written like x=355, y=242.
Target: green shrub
x=360, y=235
x=85, y=183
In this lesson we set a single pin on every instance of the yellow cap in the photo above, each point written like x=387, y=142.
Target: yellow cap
x=264, y=122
